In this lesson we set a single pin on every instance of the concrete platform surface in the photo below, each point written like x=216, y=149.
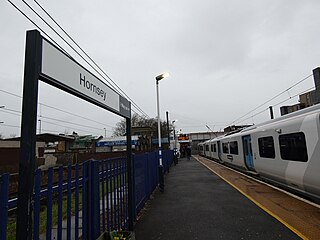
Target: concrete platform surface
x=298, y=214
x=198, y=204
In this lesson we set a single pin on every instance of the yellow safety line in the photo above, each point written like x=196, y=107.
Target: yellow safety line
x=257, y=203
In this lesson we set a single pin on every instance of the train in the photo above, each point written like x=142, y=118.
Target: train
x=284, y=151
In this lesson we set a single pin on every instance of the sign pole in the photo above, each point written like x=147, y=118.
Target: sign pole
x=130, y=172
x=27, y=161
x=48, y=63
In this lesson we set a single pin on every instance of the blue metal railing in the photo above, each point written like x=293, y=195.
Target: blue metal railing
x=147, y=175
x=87, y=198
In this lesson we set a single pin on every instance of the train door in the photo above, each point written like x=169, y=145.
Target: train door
x=219, y=150
x=247, y=150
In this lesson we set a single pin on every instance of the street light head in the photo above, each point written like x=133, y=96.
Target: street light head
x=162, y=76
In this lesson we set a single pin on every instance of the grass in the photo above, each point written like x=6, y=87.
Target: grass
x=11, y=226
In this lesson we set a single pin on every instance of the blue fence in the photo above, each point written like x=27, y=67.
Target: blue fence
x=83, y=199
x=147, y=175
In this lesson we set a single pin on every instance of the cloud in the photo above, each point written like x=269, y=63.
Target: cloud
x=225, y=57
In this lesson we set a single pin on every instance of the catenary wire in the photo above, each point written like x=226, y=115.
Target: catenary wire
x=293, y=96
x=58, y=109
x=47, y=35
x=78, y=129
x=18, y=9
x=302, y=80
x=277, y=104
x=18, y=113
x=62, y=29
x=117, y=91
x=35, y=12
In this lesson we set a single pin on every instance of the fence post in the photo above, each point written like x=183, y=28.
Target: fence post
x=133, y=202
x=95, y=181
x=130, y=173
x=92, y=196
x=146, y=173
x=4, y=191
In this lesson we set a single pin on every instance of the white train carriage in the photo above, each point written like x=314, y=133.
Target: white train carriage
x=232, y=151
x=201, y=149
x=287, y=151
x=284, y=150
x=214, y=149
x=206, y=147
x=211, y=152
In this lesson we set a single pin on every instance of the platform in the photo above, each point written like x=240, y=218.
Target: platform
x=198, y=204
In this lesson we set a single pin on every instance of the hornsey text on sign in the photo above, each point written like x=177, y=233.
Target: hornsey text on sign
x=90, y=86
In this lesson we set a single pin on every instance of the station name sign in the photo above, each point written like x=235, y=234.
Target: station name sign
x=60, y=70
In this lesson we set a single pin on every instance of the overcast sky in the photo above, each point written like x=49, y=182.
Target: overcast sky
x=225, y=57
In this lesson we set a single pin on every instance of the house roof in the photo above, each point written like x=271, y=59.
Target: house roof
x=46, y=137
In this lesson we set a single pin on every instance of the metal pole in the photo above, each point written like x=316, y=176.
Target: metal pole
x=161, y=178
x=27, y=161
x=174, y=134
x=130, y=172
x=175, y=151
x=168, y=129
x=167, y=113
x=316, y=77
x=39, y=126
x=271, y=112
x=174, y=137
x=1, y=121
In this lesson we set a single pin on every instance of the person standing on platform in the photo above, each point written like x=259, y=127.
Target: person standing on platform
x=182, y=151
x=188, y=151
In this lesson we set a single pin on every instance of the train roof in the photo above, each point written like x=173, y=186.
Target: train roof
x=305, y=111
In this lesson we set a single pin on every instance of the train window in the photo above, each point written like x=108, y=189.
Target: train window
x=225, y=148
x=293, y=147
x=245, y=147
x=215, y=147
x=211, y=147
x=266, y=147
x=234, y=147
x=207, y=148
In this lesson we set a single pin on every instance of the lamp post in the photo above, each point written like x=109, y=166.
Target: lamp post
x=161, y=178
x=174, y=136
x=39, y=126
x=175, y=150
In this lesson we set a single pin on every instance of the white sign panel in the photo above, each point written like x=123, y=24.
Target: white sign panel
x=61, y=69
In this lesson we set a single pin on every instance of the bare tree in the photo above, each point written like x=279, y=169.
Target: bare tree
x=138, y=121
